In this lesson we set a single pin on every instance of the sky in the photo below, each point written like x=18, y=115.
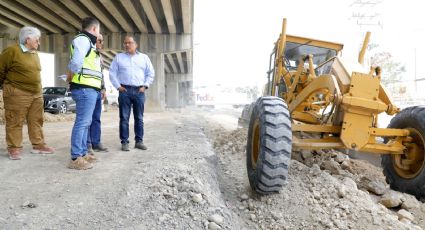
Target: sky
x=233, y=39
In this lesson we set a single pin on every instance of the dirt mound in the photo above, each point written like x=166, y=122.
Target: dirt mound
x=48, y=117
x=326, y=190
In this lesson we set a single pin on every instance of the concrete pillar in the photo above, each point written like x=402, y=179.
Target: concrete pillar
x=179, y=88
x=172, y=88
x=4, y=41
x=45, y=43
x=61, y=47
x=7, y=40
x=156, y=93
x=114, y=42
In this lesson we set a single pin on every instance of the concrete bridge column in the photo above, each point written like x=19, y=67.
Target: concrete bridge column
x=156, y=92
x=178, y=88
x=172, y=92
x=61, y=58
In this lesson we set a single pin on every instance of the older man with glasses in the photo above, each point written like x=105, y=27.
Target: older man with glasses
x=23, y=100
x=131, y=73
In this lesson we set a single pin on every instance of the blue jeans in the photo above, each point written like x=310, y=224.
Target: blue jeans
x=93, y=137
x=126, y=100
x=85, y=99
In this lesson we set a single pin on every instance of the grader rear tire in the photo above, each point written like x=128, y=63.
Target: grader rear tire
x=269, y=145
x=411, y=180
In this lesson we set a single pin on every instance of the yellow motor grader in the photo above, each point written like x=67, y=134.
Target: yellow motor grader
x=310, y=91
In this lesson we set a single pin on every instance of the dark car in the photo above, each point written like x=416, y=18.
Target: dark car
x=58, y=100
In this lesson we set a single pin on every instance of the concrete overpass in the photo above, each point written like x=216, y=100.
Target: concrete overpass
x=163, y=29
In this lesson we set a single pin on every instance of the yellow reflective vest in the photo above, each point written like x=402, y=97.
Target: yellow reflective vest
x=90, y=73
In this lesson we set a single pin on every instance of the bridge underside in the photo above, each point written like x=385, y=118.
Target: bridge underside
x=163, y=30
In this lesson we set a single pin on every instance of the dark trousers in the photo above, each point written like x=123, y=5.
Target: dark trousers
x=127, y=100
x=93, y=136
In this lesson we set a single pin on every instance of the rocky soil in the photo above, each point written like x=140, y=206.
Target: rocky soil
x=193, y=176
x=326, y=190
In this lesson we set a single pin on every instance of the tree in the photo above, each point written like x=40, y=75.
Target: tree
x=392, y=71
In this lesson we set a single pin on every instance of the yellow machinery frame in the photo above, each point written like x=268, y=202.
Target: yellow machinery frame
x=357, y=101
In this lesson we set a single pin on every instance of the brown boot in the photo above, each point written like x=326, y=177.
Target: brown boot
x=80, y=164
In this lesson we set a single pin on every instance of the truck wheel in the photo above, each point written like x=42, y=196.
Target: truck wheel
x=408, y=179
x=269, y=145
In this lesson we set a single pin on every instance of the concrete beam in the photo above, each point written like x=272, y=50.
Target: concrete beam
x=180, y=60
x=108, y=55
x=74, y=7
x=116, y=41
x=100, y=15
x=134, y=15
x=11, y=15
x=173, y=65
x=13, y=6
x=45, y=44
x=45, y=14
x=114, y=52
x=113, y=10
x=167, y=69
x=168, y=11
x=107, y=61
x=187, y=15
x=61, y=12
x=147, y=6
x=10, y=23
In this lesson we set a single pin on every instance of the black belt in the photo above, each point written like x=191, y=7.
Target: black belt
x=131, y=86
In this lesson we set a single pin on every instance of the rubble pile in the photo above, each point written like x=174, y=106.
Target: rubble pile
x=326, y=190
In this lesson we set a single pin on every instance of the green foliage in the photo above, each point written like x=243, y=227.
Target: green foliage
x=392, y=71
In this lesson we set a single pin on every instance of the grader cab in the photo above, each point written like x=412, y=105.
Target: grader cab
x=310, y=91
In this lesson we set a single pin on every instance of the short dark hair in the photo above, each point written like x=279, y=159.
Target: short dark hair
x=88, y=22
x=131, y=36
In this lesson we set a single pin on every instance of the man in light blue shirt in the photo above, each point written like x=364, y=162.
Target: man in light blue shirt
x=131, y=73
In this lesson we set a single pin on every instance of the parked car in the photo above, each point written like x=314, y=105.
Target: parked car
x=58, y=100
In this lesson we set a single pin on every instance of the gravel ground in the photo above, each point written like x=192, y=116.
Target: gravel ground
x=193, y=176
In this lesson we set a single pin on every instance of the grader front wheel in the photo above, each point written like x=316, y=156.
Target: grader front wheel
x=406, y=172
x=269, y=145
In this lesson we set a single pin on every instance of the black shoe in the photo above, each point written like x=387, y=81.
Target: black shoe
x=125, y=147
x=100, y=148
x=140, y=145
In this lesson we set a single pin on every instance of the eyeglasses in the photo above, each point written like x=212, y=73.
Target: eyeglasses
x=100, y=41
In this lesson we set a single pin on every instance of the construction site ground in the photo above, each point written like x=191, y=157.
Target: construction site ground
x=193, y=176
